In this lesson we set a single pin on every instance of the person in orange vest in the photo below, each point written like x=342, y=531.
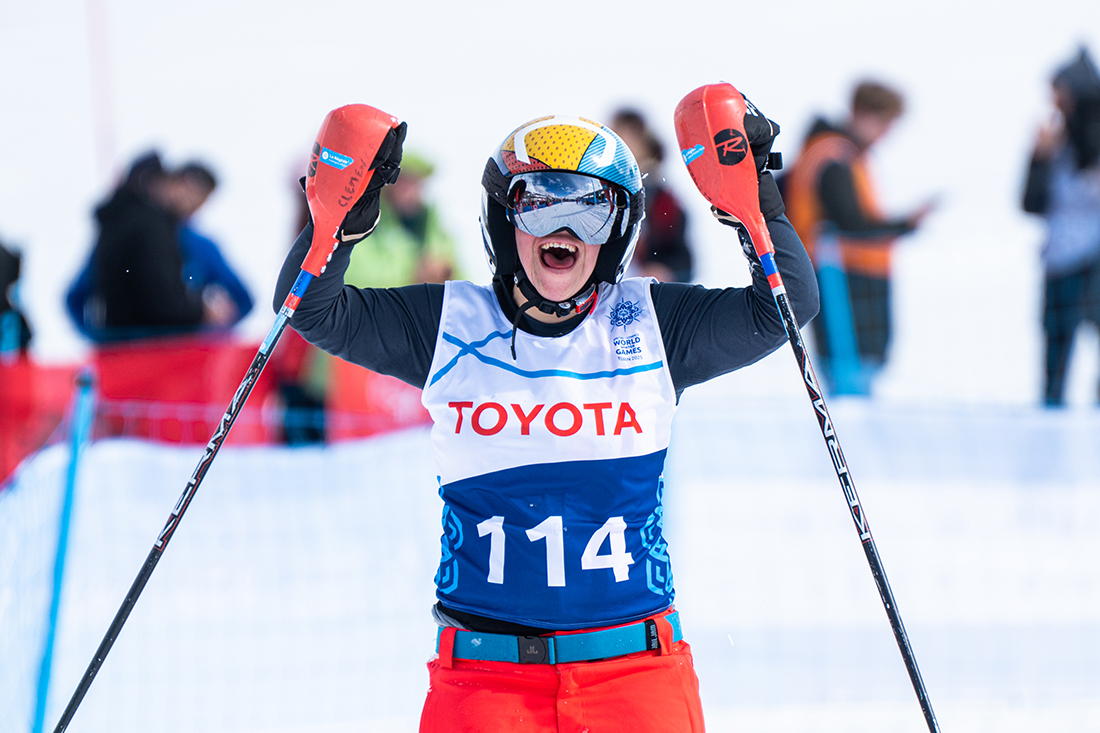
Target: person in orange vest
x=834, y=206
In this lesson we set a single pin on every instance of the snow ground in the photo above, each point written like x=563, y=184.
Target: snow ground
x=295, y=596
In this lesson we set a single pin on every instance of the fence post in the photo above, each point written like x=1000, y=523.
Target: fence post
x=81, y=412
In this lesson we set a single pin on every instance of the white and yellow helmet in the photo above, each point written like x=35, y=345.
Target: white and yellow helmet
x=572, y=145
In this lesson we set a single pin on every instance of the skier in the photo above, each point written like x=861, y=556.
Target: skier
x=552, y=392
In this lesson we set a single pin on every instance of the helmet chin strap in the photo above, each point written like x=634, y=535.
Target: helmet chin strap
x=579, y=303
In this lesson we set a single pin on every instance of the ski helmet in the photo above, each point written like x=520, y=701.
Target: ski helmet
x=570, y=145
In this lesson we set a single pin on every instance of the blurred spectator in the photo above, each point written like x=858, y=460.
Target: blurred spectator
x=301, y=370
x=409, y=245
x=834, y=206
x=662, y=250
x=1063, y=185
x=300, y=381
x=15, y=334
x=133, y=285
x=203, y=265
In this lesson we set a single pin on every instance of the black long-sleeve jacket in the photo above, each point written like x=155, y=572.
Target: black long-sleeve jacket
x=706, y=332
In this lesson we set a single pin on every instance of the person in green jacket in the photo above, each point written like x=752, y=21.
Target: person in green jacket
x=409, y=245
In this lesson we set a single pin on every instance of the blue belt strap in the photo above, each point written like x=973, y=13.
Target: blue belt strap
x=584, y=647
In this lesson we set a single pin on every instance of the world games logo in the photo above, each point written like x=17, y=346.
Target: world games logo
x=624, y=313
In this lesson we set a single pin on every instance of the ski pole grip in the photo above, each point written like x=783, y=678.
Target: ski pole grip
x=320, y=252
x=341, y=165
x=710, y=129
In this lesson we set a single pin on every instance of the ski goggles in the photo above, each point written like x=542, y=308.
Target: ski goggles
x=544, y=202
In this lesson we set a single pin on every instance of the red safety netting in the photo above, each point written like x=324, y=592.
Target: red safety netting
x=177, y=390
x=32, y=404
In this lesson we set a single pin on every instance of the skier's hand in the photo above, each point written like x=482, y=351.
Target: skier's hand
x=364, y=213
x=743, y=237
x=761, y=132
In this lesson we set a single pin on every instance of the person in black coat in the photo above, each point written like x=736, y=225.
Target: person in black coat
x=137, y=260
x=1063, y=186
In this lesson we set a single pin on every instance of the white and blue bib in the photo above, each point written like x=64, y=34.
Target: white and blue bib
x=550, y=464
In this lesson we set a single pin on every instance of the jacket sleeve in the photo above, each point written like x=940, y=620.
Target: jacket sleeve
x=1037, y=187
x=709, y=332
x=215, y=270
x=387, y=330
x=837, y=191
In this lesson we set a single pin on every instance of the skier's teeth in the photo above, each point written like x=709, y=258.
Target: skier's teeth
x=559, y=245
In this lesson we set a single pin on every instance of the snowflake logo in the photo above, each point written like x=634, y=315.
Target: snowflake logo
x=624, y=313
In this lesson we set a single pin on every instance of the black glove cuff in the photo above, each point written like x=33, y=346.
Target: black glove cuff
x=755, y=268
x=771, y=202
x=361, y=220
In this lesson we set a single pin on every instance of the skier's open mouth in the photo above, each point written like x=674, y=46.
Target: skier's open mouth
x=558, y=255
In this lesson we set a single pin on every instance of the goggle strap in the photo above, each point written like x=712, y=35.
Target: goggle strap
x=495, y=183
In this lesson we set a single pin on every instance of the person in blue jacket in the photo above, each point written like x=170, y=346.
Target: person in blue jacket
x=204, y=271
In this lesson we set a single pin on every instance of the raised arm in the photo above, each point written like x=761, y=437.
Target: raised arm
x=387, y=330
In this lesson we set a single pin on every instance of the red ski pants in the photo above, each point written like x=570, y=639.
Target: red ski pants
x=648, y=692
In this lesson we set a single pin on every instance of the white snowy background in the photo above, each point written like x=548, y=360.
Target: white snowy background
x=985, y=507
x=89, y=85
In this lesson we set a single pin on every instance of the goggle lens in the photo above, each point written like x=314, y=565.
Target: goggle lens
x=545, y=202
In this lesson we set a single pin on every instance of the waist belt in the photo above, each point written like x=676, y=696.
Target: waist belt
x=588, y=646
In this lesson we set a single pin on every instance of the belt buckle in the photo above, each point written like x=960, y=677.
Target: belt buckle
x=534, y=649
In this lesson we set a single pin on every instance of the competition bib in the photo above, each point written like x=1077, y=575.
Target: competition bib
x=550, y=464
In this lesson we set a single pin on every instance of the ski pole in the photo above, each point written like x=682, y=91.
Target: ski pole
x=714, y=115
x=340, y=168
x=184, y=501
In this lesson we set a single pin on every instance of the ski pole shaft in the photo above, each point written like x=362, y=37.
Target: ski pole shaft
x=717, y=150
x=212, y=448
x=353, y=141
x=764, y=249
